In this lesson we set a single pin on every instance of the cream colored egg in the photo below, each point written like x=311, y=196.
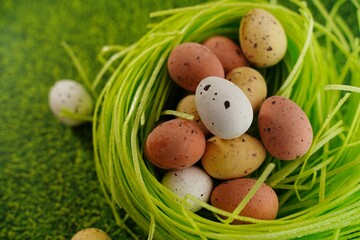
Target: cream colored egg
x=262, y=38
x=252, y=83
x=188, y=105
x=233, y=158
x=91, y=234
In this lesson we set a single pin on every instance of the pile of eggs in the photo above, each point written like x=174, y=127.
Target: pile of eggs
x=226, y=94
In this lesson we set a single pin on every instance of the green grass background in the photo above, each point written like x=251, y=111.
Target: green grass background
x=48, y=183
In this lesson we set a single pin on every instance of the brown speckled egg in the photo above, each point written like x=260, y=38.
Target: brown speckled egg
x=262, y=38
x=190, y=62
x=228, y=52
x=175, y=144
x=233, y=158
x=228, y=195
x=91, y=234
x=252, y=83
x=284, y=128
x=188, y=105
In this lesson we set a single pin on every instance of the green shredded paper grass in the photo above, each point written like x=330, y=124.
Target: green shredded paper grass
x=319, y=193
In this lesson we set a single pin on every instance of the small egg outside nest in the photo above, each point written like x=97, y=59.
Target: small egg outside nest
x=91, y=234
x=71, y=96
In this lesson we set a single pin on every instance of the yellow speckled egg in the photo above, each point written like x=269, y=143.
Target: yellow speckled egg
x=188, y=105
x=252, y=83
x=91, y=234
x=262, y=38
x=228, y=195
x=233, y=158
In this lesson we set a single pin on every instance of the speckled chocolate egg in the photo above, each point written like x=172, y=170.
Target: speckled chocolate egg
x=252, y=83
x=91, y=234
x=262, y=38
x=233, y=158
x=223, y=108
x=284, y=128
x=192, y=180
x=228, y=195
x=228, y=52
x=188, y=105
x=191, y=62
x=175, y=144
x=71, y=96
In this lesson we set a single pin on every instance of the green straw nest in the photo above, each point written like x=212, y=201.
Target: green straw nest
x=319, y=193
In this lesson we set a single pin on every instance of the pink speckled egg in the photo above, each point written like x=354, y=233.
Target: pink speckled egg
x=284, y=128
x=228, y=195
x=190, y=62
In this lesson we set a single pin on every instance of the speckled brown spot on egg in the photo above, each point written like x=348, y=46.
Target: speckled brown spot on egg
x=227, y=104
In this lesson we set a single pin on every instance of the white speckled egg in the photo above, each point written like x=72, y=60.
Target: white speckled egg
x=71, y=96
x=223, y=107
x=192, y=180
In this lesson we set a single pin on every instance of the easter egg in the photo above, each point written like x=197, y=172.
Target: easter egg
x=190, y=62
x=233, y=158
x=188, y=105
x=252, y=83
x=228, y=195
x=71, y=96
x=223, y=108
x=284, y=128
x=262, y=38
x=175, y=144
x=91, y=234
x=228, y=52
x=192, y=180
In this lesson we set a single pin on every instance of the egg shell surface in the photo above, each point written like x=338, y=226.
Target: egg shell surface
x=91, y=234
x=223, y=108
x=233, y=158
x=228, y=52
x=284, y=128
x=191, y=62
x=72, y=96
x=188, y=105
x=262, y=38
x=228, y=195
x=252, y=83
x=192, y=180
x=175, y=144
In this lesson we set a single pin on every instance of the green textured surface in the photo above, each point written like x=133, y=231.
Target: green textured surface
x=48, y=184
